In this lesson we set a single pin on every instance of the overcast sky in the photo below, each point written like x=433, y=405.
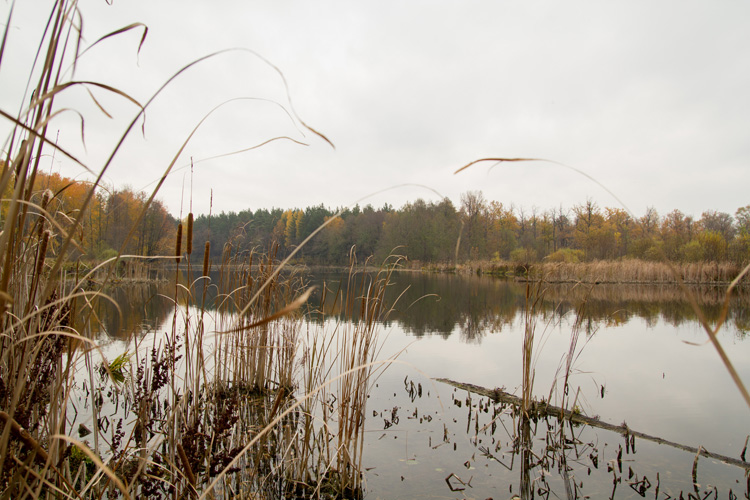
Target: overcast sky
x=650, y=98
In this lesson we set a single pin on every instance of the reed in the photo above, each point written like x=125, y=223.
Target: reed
x=206, y=255
x=533, y=296
x=637, y=271
x=344, y=351
x=189, y=413
x=624, y=271
x=38, y=346
x=174, y=415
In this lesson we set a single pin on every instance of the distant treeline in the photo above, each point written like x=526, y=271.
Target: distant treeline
x=435, y=232
x=425, y=232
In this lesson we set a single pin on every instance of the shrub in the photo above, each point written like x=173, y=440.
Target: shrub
x=739, y=249
x=713, y=246
x=523, y=255
x=692, y=252
x=567, y=255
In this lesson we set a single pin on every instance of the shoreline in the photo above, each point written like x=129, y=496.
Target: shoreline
x=626, y=272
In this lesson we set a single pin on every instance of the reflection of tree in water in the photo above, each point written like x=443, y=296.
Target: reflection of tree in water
x=472, y=306
x=475, y=306
x=617, y=304
x=444, y=304
x=141, y=307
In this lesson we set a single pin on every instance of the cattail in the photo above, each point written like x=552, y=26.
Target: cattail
x=186, y=464
x=205, y=258
x=190, y=234
x=42, y=253
x=178, y=245
x=40, y=232
x=46, y=197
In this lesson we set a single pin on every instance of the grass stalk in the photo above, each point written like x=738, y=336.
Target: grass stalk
x=181, y=402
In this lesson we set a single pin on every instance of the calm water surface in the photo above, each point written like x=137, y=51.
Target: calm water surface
x=641, y=358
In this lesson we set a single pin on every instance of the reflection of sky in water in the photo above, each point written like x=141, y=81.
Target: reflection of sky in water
x=654, y=381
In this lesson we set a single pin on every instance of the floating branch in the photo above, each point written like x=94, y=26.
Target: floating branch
x=543, y=408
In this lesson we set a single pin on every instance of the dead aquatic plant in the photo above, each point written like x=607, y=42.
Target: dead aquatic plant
x=175, y=412
x=189, y=409
x=534, y=294
x=251, y=351
x=711, y=330
x=566, y=366
x=232, y=436
x=534, y=340
x=637, y=271
x=363, y=298
x=337, y=371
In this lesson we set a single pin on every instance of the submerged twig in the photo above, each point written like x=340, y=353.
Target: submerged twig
x=544, y=408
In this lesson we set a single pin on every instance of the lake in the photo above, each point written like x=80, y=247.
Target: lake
x=640, y=358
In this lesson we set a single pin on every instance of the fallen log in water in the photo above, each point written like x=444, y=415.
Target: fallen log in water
x=543, y=408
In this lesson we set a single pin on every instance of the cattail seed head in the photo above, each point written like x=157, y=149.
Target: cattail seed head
x=42, y=253
x=206, y=251
x=40, y=232
x=46, y=198
x=178, y=245
x=190, y=233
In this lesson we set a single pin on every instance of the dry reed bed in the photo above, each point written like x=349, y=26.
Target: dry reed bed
x=638, y=271
x=185, y=413
x=705, y=295
x=209, y=408
x=605, y=271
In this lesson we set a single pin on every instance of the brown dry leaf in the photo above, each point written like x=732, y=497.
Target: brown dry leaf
x=289, y=308
x=308, y=127
x=496, y=160
x=98, y=104
x=5, y=32
x=62, y=86
x=123, y=30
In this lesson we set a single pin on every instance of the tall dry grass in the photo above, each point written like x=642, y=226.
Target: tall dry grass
x=637, y=271
x=605, y=271
x=211, y=408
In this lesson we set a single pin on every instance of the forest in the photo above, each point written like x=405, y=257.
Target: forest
x=107, y=221
x=423, y=231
